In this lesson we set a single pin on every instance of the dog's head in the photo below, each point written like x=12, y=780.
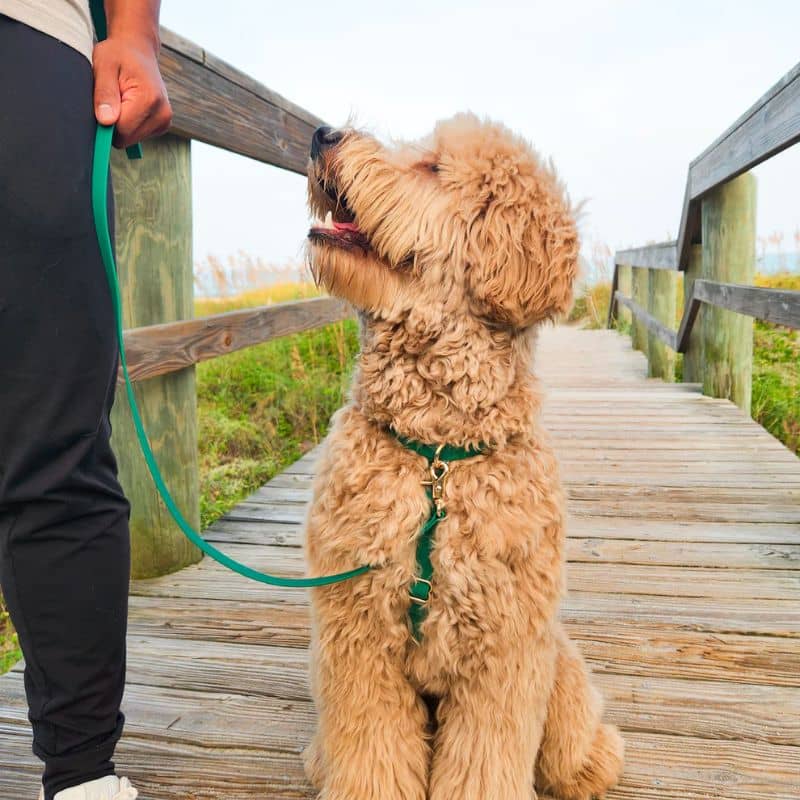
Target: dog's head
x=470, y=219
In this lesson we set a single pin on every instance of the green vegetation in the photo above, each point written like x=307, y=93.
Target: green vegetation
x=776, y=359
x=776, y=372
x=261, y=408
x=9, y=646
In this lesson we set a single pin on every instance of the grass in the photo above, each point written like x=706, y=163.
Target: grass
x=776, y=358
x=259, y=410
x=9, y=645
x=776, y=372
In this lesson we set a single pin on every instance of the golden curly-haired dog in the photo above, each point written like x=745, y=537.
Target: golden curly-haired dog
x=453, y=250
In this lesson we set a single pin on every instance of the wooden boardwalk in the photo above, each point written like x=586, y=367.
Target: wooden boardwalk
x=684, y=580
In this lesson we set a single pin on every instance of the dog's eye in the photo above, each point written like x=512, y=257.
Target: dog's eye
x=433, y=167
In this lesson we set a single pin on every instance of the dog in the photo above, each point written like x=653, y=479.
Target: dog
x=452, y=250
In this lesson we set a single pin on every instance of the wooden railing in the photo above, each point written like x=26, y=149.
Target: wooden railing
x=715, y=251
x=217, y=104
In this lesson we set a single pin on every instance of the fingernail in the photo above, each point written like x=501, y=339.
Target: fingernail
x=105, y=111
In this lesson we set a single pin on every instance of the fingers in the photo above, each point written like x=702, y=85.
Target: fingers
x=107, y=100
x=143, y=114
x=129, y=91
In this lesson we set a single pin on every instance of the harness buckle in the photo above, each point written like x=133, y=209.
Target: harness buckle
x=421, y=601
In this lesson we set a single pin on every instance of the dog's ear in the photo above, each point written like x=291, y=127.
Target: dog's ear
x=523, y=251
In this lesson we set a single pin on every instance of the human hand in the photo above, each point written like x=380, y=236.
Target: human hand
x=128, y=89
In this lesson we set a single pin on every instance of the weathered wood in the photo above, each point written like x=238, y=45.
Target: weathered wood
x=154, y=248
x=624, y=286
x=663, y=255
x=640, y=282
x=683, y=546
x=779, y=306
x=689, y=341
x=663, y=306
x=643, y=319
x=215, y=103
x=770, y=125
x=161, y=349
x=729, y=254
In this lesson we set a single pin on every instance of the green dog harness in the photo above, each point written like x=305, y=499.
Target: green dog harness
x=439, y=459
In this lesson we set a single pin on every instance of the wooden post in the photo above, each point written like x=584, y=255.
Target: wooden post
x=624, y=285
x=153, y=200
x=663, y=305
x=693, y=357
x=640, y=281
x=729, y=254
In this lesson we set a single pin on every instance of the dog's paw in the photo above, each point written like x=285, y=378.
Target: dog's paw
x=600, y=772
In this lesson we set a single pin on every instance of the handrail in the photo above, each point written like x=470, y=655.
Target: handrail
x=779, y=306
x=161, y=349
x=215, y=103
x=769, y=126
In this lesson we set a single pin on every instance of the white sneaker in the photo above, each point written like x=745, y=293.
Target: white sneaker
x=110, y=788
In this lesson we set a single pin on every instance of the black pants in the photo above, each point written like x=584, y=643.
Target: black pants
x=64, y=547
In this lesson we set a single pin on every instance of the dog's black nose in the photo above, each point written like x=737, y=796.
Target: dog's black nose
x=324, y=137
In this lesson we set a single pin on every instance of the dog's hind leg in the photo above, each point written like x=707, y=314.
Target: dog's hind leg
x=580, y=757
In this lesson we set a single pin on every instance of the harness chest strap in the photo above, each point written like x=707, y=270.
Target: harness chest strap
x=439, y=459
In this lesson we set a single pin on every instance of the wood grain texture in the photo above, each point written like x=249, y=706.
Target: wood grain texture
x=663, y=307
x=655, y=256
x=683, y=549
x=779, y=306
x=153, y=198
x=162, y=349
x=640, y=285
x=645, y=325
x=729, y=255
x=215, y=103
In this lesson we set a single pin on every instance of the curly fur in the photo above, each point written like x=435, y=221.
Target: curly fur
x=472, y=243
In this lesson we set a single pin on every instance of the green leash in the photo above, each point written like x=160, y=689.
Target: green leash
x=100, y=174
x=102, y=161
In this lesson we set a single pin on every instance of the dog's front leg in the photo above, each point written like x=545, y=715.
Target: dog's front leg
x=490, y=726
x=371, y=743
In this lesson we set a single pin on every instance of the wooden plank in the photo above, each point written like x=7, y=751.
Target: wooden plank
x=663, y=307
x=215, y=103
x=627, y=647
x=655, y=256
x=646, y=319
x=770, y=125
x=161, y=349
x=779, y=306
x=661, y=767
x=706, y=709
x=647, y=637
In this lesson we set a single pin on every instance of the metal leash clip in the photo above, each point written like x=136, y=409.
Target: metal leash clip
x=439, y=471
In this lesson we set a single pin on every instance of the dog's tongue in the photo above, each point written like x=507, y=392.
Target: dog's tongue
x=346, y=226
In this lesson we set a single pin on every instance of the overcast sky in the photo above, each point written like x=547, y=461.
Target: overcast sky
x=621, y=93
